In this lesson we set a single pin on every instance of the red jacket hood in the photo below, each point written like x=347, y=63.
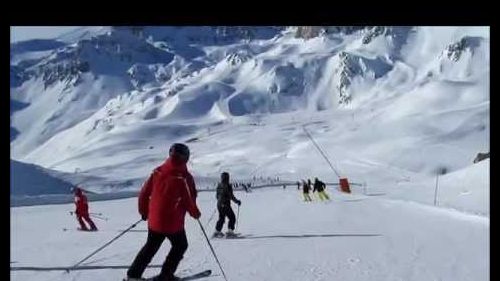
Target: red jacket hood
x=78, y=192
x=173, y=165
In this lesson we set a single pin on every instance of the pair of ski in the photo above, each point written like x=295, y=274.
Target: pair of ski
x=228, y=236
x=79, y=229
x=199, y=275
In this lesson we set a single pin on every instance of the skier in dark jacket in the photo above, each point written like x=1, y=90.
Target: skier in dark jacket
x=224, y=197
x=320, y=186
x=305, y=191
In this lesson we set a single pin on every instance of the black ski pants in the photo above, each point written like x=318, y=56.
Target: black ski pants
x=225, y=211
x=86, y=218
x=153, y=243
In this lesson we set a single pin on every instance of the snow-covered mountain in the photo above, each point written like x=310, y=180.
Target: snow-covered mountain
x=110, y=100
x=401, y=112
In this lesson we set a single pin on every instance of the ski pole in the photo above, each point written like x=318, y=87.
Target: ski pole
x=94, y=215
x=211, y=217
x=212, y=249
x=237, y=217
x=205, y=234
x=97, y=214
x=103, y=246
x=98, y=217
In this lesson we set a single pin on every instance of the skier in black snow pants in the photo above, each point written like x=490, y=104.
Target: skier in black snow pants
x=224, y=197
x=305, y=191
x=320, y=186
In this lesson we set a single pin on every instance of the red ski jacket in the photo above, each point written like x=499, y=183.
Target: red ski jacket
x=167, y=195
x=82, y=207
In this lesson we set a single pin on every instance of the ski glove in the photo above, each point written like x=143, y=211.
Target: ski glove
x=238, y=202
x=197, y=214
x=144, y=217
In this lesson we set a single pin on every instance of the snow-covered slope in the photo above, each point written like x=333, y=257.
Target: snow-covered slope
x=350, y=238
x=466, y=189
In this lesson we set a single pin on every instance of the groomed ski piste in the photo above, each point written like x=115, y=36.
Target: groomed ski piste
x=351, y=237
x=419, y=104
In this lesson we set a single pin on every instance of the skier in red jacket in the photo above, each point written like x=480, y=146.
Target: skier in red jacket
x=163, y=201
x=82, y=210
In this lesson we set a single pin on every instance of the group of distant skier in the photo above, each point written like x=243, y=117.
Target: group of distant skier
x=244, y=186
x=318, y=186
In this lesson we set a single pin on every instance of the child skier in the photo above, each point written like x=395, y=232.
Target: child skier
x=82, y=210
x=224, y=197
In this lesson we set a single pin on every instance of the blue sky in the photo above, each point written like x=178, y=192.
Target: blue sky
x=21, y=33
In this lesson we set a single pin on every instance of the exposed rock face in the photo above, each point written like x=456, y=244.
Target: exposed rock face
x=455, y=50
x=308, y=32
x=481, y=156
x=373, y=33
